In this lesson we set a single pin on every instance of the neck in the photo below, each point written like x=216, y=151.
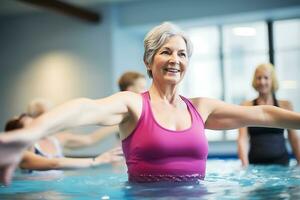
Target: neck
x=265, y=98
x=168, y=94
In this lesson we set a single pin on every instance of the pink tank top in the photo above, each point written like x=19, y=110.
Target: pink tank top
x=154, y=153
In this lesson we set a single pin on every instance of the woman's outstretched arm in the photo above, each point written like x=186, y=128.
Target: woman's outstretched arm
x=36, y=162
x=107, y=111
x=72, y=140
x=219, y=115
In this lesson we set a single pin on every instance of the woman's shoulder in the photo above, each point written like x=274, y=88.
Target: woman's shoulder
x=206, y=100
x=131, y=98
x=205, y=103
x=199, y=100
x=285, y=104
x=208, y=104
x=124, y=97
x=128, y=95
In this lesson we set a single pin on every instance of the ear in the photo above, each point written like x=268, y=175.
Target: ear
x=147, y=65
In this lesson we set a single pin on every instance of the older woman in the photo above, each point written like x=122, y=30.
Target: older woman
x=162, y=132
x=267, y=145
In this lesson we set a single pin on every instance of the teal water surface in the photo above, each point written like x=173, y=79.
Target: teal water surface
x=225, y=179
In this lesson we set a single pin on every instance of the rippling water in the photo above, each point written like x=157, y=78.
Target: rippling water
x=225, y=179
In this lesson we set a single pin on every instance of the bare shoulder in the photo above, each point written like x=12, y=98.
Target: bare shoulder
x=208, y=106
x=135, y=107
x=205, y=105
x=285, y=104
x=124, y=101
x=132, y=99
x=126, y=96
x=133, y=102
x=200, y=101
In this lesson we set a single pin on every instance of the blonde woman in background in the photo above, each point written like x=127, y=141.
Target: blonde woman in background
x=262, y=145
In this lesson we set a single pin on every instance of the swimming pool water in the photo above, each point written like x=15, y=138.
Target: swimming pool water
x=225, y=179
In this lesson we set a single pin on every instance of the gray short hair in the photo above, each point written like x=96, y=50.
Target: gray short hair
x=158, y=36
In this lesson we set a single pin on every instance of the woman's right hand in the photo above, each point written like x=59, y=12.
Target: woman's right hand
x=113, y=155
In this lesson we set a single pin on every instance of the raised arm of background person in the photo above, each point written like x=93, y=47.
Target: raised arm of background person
x=36, y=162
x=243, y=146
x=72, y=140
x=243, y=142
x=295, y=144
x=219, y=115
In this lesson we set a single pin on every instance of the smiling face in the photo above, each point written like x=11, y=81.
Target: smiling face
x=263, y=81
x=170, y=61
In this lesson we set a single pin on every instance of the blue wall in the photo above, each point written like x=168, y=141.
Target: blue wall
x=29, y=42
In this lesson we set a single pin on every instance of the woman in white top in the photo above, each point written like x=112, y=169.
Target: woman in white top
x=52, y=158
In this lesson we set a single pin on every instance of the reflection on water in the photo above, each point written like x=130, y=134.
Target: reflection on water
x=164, y=191
x=47, y=195
x=224, y=180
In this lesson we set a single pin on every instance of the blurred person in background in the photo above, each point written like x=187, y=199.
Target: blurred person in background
x=51, y=160
x=263, y=145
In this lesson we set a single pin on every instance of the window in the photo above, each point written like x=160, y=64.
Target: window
x=287, y=60
x=227, y=74
x=204, y=76
x=245, y=46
